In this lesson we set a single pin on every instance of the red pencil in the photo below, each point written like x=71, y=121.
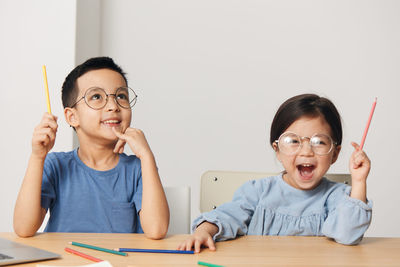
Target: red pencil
x=70, y=250
x=369, y=121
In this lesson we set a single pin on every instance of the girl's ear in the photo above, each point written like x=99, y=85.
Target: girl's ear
x=275, y=147
x=71, y=117
x=336, y=153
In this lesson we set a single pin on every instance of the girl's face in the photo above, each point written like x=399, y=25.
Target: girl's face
x=305, y=169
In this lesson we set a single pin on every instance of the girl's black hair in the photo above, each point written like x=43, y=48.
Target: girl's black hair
x=309, y=105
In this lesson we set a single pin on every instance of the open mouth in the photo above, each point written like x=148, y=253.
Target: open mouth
x=306, y=170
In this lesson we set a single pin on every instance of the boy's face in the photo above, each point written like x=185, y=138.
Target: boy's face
x=96, y=124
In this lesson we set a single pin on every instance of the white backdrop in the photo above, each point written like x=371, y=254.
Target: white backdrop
x=33, y=33
x=211, y=74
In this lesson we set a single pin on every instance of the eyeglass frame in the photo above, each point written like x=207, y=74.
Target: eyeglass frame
x=333, y=143
x=107, y=95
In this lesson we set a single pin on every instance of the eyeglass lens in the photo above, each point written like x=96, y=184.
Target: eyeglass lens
x=290, y=143
x=97, y=98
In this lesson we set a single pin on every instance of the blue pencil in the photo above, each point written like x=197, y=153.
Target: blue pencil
x=154, y=250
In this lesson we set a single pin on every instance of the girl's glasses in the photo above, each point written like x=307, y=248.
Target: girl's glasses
x=97, y=98
x=290, y=143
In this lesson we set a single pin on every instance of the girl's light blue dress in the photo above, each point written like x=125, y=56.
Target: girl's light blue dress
x=270, y=206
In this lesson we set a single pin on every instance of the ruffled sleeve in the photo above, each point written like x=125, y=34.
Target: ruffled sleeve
x=233, y=218
x=348, y=219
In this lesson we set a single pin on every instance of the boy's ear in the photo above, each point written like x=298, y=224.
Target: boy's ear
x=336, y=154
x=71, y=117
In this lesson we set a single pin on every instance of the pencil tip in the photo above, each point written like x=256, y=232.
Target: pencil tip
x=70, y=243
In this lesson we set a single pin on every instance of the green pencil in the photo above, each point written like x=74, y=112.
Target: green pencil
x=98, y=248
x=208, y=264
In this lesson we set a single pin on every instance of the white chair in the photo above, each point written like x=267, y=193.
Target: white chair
x=218, y=187
x=179, y=209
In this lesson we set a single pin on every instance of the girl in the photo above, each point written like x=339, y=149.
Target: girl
x=306, y=135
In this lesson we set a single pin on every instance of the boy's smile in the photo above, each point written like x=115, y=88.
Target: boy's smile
x=95, y=125
x=305, y=169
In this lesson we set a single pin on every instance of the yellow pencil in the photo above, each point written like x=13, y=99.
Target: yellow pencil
x=47, y=89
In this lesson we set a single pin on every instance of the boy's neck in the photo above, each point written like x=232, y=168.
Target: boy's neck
x=98, y=157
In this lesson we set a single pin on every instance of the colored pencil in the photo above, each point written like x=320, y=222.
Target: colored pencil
x=208, y=264
x=98, y=248
x=368, y=123
x=154, y=250
x=83, y=255
x=46, y=89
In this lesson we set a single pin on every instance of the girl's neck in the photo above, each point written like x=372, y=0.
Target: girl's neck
x=101, y=158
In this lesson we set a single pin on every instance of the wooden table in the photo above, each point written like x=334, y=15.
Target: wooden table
x=244, y=251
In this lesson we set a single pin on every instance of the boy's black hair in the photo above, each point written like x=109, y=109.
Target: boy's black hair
x=310, y=105
x=69, y=89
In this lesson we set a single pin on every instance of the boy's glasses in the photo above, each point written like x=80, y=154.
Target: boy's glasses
x=290, y=143
x=97, y=98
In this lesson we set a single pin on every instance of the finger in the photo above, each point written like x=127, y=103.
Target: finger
x=211, y=244
x=41, y=139
x=44, y=136
x=355, y=145
x=189, y=244
x=197, y=246
x=120, y=144
x=121, y=150
x=180, y=246
x=119, y=134
x=360, y=159
x=50, y=118
x=48, y=124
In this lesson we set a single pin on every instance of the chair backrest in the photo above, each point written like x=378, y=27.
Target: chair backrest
x=179, y=209
x=218, y=187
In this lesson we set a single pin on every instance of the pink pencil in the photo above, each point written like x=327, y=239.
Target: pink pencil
x=83, y=255
x=368, y=123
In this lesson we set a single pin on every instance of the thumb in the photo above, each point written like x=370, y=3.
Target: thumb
x=355, y=145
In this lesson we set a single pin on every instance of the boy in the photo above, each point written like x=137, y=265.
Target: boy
x=95, y=188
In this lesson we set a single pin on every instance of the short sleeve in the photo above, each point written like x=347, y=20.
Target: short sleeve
x=48, y=194
x=137, y=197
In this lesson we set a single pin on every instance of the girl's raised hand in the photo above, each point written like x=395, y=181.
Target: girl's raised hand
x=359, y=164
x=44, y=135
x=135, y=139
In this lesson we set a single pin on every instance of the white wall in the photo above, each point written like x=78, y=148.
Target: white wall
x=33, y=33
x=210, y=75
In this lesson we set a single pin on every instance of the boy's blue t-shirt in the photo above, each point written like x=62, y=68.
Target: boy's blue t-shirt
x=82, y=199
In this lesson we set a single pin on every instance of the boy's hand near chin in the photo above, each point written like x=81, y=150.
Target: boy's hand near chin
x=44, y=136
x=135, y=139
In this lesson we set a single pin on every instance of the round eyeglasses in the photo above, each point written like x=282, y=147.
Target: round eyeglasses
x=290, y=143
x=97, y=98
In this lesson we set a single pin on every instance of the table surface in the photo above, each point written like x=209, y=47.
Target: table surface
x=243, y=251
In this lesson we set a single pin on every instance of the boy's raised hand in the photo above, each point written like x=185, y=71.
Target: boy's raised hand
x=44, y=135
x=135, y=139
